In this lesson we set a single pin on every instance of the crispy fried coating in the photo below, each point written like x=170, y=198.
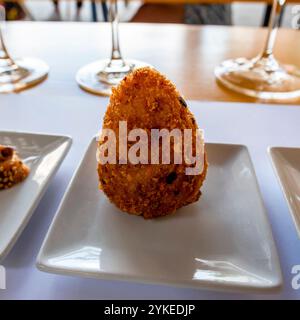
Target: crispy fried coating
x=12, y=169
x=147, y=100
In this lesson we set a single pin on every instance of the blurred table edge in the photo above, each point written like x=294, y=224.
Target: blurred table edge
x=181, y=1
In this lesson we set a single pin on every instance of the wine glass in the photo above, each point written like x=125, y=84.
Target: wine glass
x=100, y=76
x=262, y=77
x=18, y=74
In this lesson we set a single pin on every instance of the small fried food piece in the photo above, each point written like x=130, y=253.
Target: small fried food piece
x=147, y=100
x=12, y=169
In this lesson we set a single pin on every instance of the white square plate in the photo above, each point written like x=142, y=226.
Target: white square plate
x=286, y=162
x=43, y=154
x=223, y=241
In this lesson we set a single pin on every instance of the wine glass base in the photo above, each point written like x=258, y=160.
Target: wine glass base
x=32, y=71
x=92, y=77
x=256, y=79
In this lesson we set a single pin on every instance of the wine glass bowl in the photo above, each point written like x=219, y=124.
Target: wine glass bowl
x=18, y=74
x=100, y=76
x=114, y=71
x=22, y=74
x=260, y=78
x=263, y=76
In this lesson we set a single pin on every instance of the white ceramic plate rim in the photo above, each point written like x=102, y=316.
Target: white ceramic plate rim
x=274, y=287
x=282, y=186
x=43, y=189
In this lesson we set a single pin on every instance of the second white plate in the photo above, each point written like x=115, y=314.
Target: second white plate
x=43, y=154
x=286, y=162
x=223, y=241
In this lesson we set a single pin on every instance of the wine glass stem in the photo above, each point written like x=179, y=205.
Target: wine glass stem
x=4, y=56
x=114, y=19
x=273, y=27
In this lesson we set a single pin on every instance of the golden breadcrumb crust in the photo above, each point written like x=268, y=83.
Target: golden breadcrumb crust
x=12, y=169
x=147, y=100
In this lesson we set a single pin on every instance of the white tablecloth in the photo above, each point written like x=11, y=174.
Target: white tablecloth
x=62, y=108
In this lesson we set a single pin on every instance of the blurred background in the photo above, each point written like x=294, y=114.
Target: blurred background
x=232, y=13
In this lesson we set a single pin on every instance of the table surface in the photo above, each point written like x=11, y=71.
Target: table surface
x=58, y=106
x=187, y=54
